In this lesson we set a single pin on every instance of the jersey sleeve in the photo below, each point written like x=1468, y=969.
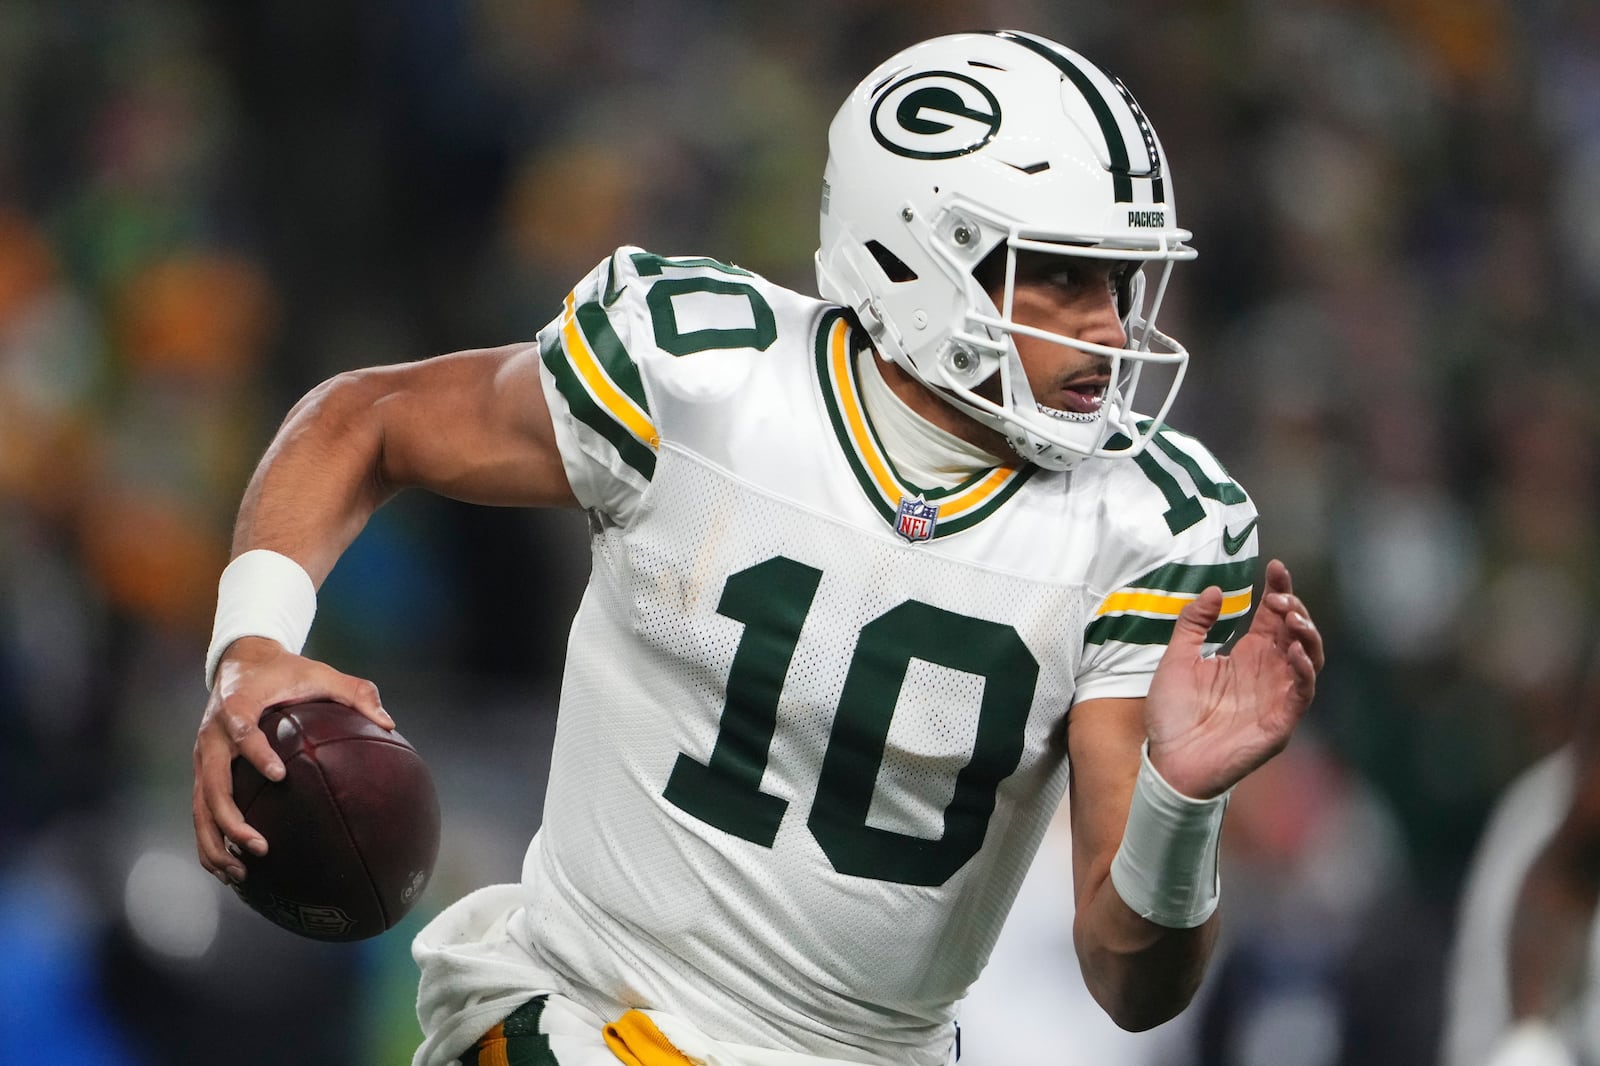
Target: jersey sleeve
x=650, y=348
x=1185, y=528
x=591, y=372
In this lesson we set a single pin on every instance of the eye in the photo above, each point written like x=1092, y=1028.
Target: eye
x=1063, y=273
x=1065, y=277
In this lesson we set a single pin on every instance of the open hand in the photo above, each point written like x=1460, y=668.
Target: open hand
x=1213, y=720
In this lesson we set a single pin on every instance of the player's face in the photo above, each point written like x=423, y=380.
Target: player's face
x=1076, y=298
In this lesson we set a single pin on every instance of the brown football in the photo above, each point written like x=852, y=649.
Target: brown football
x=352, y=829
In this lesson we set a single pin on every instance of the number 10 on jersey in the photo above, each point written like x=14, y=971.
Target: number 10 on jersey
x=772, y=599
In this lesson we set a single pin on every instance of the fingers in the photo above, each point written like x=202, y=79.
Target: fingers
x=240, y=720
x=1308, y=638
x=230, y=728
x=217, y=820
x=1278, y=577
x=1296, y=627
x=362, y=694
x=1305, y=672
x=208, y=839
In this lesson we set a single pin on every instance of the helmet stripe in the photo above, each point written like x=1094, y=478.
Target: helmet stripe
x=1116, y=145
x=1157, y=185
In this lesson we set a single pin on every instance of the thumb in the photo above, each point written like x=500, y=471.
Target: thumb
x=1194, y=622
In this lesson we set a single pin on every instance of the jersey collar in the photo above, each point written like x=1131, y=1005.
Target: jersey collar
x=914, y=512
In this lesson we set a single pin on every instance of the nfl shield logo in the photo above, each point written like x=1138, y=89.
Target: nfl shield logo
x=915, y=519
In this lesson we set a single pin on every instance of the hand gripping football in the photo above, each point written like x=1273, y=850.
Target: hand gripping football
x=352, y=829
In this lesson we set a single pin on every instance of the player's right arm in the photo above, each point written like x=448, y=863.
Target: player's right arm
x=472, y=425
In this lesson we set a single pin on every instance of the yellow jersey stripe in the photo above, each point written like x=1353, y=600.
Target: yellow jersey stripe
x=1167, y=605
x=615, y=402
x=888, y=485
x=635, y=1041
x=976, y=495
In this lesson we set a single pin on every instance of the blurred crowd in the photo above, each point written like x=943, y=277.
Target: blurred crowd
x=206, y=208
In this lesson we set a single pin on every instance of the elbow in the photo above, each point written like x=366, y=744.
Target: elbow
x=1151, y=984
x=341, y=421
x=346, y=400
x=1137, y=1017
x=1137, y=1010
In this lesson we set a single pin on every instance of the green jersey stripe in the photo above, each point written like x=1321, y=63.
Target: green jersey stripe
x=611, y=353
x=1185, y=577
x=978, y=514
x=836, y=418
x=1137, y=629
x=585, y=410
x=962, y=506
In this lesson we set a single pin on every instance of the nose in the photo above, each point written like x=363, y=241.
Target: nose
x=1100, y=321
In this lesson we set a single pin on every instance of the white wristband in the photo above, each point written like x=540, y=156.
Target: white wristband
x=1166, y=869
x=261, y=594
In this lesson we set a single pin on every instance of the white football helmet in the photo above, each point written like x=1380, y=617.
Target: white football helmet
x=959, y=145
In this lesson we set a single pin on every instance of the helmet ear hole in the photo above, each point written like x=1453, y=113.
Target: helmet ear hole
x=893, y=267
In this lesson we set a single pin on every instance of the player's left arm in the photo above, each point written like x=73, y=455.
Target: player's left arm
x=1209, y=721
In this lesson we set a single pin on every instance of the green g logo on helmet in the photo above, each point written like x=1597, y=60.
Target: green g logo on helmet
x=935, y=115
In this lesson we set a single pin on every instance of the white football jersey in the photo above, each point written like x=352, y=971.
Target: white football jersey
x=811, y=726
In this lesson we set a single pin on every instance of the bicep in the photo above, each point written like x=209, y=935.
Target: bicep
x=472, y=425
x=1103, y=741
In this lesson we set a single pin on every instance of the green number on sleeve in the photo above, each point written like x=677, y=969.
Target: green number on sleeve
x=1183, y=510
x=664, y=318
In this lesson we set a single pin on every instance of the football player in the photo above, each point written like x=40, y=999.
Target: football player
x=876, y=579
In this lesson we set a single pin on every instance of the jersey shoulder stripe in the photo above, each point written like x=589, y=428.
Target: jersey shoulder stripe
x=1211, y=522
x=1146, y=609
x=597, y=377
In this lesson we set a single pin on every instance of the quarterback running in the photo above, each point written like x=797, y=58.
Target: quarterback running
x=879, y=578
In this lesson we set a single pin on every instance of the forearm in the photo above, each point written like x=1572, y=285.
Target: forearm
x=1145, y=862
x=1141, y=973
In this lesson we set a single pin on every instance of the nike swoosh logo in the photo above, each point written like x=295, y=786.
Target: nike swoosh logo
x=1232, y=542
x=612, y=292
